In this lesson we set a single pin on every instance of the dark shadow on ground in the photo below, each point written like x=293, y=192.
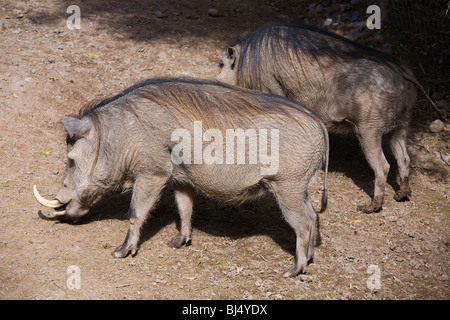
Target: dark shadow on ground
x=262, y=216
x=145, y=20
x=346, y=156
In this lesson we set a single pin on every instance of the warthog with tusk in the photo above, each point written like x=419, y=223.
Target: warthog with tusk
x=134, y=140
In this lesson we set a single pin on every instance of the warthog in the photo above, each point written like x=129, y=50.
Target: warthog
x=349, y=86
x=141, y=138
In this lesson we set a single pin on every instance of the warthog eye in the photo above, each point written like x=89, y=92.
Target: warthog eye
x=221, y=64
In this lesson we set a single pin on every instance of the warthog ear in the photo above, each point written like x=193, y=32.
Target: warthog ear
x=76, y=128
x=233, y=53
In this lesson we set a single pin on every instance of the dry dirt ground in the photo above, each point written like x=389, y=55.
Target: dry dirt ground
x=48, y=71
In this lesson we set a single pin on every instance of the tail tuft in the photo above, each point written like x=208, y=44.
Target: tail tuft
x=324, y=203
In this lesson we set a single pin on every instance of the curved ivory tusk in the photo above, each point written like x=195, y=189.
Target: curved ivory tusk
x=47, y=203
x=51, y=215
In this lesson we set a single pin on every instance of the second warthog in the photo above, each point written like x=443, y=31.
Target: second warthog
x=154, y=133
x=349, y=86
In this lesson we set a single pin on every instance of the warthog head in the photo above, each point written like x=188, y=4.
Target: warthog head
x=228, y=63
x=79, y=190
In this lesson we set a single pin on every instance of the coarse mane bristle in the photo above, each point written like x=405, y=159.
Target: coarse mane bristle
x=214, y=103
x=297, y=48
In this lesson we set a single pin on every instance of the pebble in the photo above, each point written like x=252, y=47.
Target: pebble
x=163, y=281
x=159, y=14
x=327, y=22
x=51, y=60
x=436, y=126
x=392, y=218
x=305, y=278
x=247, y=295
x=213, y=12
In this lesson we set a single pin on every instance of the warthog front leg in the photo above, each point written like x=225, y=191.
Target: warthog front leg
x=146, y=192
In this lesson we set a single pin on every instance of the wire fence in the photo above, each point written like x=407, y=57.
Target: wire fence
x=427, y=21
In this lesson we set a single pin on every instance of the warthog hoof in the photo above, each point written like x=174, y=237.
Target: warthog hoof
x=402, y=195
x=123, y=251
x=375, y=206
x=405, y=191
x=295, y=270
x=178, y=241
